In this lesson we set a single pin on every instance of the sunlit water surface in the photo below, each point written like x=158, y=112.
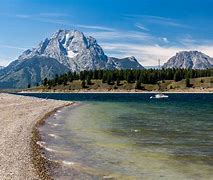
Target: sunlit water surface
x=129, y=136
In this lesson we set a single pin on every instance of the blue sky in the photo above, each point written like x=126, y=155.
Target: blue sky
x=147, y=29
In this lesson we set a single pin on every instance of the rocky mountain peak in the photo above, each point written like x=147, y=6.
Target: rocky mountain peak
x=190, y=60
x=71, y=48
x=65, y=50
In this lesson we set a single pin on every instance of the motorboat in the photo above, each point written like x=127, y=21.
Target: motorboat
x=159, y=96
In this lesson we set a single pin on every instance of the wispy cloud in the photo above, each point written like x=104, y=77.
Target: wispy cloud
x=165, y=21
x=94, y=27
x=53, y=14
x=142, y=44
x=164, y=39
x=117, y=35
x=157, y=20
x=23, y=16
x=57, y=18
x=142, y=27
x=148, y=55
x=12, y=47
x=39, y=15
x=4, y=62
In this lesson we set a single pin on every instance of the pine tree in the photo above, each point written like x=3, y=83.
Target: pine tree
x=118, y=81
x=89, y=80
x=129, y=78
x=100, y=74
x=104, y=78
x=83, y=84
x=45, y=81
x=65, y=81
x=56, y=79
x=109, y=79
x=188, y=81
x=82, y=75
x=70, y=76
x=151, y=76
x=138, y=85
x=177, y=76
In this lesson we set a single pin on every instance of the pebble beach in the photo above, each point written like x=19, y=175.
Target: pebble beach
x=18, y=117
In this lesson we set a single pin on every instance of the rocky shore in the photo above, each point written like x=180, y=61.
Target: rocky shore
x=20, y=158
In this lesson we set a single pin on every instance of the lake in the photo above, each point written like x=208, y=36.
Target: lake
x=130, y=136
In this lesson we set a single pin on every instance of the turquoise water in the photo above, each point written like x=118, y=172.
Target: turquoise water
x=132, y=137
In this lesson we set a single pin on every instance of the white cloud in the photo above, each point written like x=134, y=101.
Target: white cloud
x=40, y=15
x=94, y=27
x=148, y=55
x=142, y=27
x=12, y=47
x=165, y=40
x=157, y=20
x=53, y=18
x=143, y=45
x=24, y=16
x=121, y=35
x=4, y=62
x=48, y=14
x=9, y=53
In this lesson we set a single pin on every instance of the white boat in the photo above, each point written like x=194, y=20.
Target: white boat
x=159, y=96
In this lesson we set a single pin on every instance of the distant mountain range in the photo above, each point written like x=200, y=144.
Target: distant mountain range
x=190, y=60
x=64, y=51
x=151, y=67
x=72, y=51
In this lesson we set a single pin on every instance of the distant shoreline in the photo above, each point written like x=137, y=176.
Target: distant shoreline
x=121, y=92
x=196, y=86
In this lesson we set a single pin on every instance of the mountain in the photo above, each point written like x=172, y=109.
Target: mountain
x=1, y=67
x=190, y=60
x=64, y=51
x=30, y=71
x=125, y=63
x=151, y=67
x=76, y=51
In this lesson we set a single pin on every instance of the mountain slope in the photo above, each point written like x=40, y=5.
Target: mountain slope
x=125, y=63
x=76, y=51
x=190, y=60
x=72, y=49
x=64, y=50
x=30, y=71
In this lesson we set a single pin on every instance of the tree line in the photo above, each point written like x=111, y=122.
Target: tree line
x=147, y=76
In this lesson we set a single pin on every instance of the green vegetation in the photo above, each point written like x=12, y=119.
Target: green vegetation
x=126, y=80
x=188, y=81
x=131, y=76
x=83, y=84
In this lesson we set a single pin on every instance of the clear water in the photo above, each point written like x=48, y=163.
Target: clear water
x=129, y=136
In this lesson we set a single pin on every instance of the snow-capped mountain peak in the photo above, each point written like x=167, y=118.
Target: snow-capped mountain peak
x=72, y=49
x=63, y=51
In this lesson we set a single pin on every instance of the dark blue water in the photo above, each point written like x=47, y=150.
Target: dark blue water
x=126, y=97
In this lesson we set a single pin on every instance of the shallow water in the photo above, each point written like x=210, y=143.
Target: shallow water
x=129, y=136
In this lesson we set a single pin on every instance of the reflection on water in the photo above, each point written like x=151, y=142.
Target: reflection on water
x=133, y=140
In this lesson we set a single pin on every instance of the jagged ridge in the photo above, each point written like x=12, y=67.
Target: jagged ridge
x=190, y=60
x=71, y=49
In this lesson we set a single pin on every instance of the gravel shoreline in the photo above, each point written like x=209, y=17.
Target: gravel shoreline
x=20, y=156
